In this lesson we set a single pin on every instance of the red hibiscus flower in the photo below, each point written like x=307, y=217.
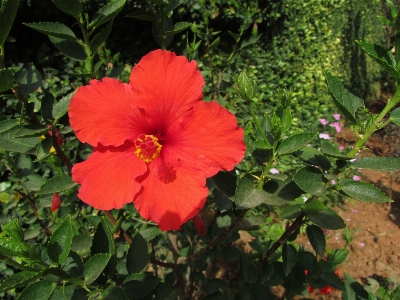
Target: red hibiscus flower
x=155, y=142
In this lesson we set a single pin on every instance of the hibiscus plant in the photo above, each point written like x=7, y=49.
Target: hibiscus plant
x=138, y=189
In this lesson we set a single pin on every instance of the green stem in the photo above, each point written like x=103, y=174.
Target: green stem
x=2, y=53
x=376, y=124
x=259, y=128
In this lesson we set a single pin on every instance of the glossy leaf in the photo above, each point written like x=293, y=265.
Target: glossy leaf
x=71, y=7
x=114, y=292
x=363, y=191
x=142, y=15
x=11, y=247
x=314, y=157
x=178, y=27
x=53, y=29
x=61, y=107
x=107, y=13
x=395, y=116
x=383, y=164
x=8, y=11
x=291, y=211
x=60, y=242
x=22, y=145
x=138, y=255
x=345, y=98
x=317, y=239
x=41, y=290
x=31, y=130
x=69, y=48
x=381, y=55
x=296, y=142
x=333, y=151
x=100, y=38
x=22, y=278
x=95, y=266
x=28, y=79
x=6, y=79
x=289, y=258
x=284, y=191
x=56, y=184
x=314, y=205
x=327, y=218
x=311, y=180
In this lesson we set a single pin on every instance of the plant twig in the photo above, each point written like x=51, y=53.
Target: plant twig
x=113, y=221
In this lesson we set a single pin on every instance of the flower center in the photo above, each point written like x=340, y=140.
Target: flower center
x=147, y=147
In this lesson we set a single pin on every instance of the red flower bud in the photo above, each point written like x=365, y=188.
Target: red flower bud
x=55, y=202
x=325, y=290
x=199, y=225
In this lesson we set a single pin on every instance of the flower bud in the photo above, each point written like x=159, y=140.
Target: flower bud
x=254, y=31
x=246, y=87
x=55, y=202
x=199, y=225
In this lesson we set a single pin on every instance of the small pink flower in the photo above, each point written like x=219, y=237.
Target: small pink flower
x=274, y=171
x=355, y=177
x=352, y=160
x=324, y=136
x=341, y=147
x=359, y=171
x=336, y=116
x=354, y=211
x=361, y=244
x=323, y=121
x=337, y=126
x=333, y=182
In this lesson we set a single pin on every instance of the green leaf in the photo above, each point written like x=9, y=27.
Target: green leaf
x=28, y=79
x=381, y=56
x=41, y=290
x=159, y=35
x=251, y=40
x=226, y=182
x=311, y=180
x=46, y=107
x=60, y=242
x=178, y=27
x=100, y=38
x=313, y=157
x=353, y=289
x=138, y=286
x=332, y=280
x=150, y=233
x=395, y=116
x=14, y=230
x=333, y=151
x=383, y=164
x=57, y=184
x=34, y=182
x=317, y=239
x=7, y=125
x=103, y=241
x=251, y=273
x=114, y=292
x=138, y=255
x=24, y=165
x=19, y=279
x=6, y=78
x=107, y=13
x=8, y=11
x=289, y=258
x=327, y=218
x=21, y=145
x=31, y=130
x=43, y=149
x=248, y=197
x=345, y=98
x=284, y=190
x=53, y=29
x=296, y=142
x=338, y=256
x=11, y=247
x=81, y=244
x=363, y=191
x=251, y=223
x=61, y=107
x=95, y=266
x=71, y=7
x=291, y=211
x=142, y=15
x=72, y=49
x=314, y=205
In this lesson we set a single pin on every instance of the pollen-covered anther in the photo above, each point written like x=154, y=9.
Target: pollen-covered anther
x=147, y=147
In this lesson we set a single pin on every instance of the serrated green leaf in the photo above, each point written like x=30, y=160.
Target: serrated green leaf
x=57, y=184
x=61, y=107
x=333, y=151
x=296, y=142
x=100, y=38
x=11, y=247
x=72, y=49
x=338, y=256
x=54, y=29
x=81, y=244
x=142, y=15
x=383, y=164
x=317, y=239
x=41, y=290
x=7, y=125
x=285, y=190
x=395, y=116
x=327, y=218
x=247, y=196
x=250, y=40
x=107, y=13
x=289, y=258
x=311, y=180
x=363, y=191
x=138, y=255
x=22, y=145
x=158, y=34
x=19, y=279
x=313, y=157
x=344, y=97
x=31, y=130
x=314, y=205
x=178, y=27
x=14, y=230
x=291, y=211
x=6, y=79
x=8, y=11
x=60, y=242
x=381, y=56
x=95, y=266
x=28, y=79
x=103, y=241
x=71, y=7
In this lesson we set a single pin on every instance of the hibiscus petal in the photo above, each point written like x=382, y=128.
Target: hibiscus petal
x=104, y=112
x=163, y=84
x=170, y=195
x=107, y=178
x=207, y=138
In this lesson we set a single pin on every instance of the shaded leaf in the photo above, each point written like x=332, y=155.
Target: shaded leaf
x=19, y=279
x=327, y=218
x=46, y=107
x=6, y=78
x=114, y=292
x=138, y=255
x=338, y=256
x=286, y=190
x=158, y=34
x=57, y=184
x=100, y=38
x=317, y=239
x=107, y=13
x=226, y=182
x=251, y=40
x=41, y=290
x=296, y=142
x=251, y=223
x=291, y=211
x=69, y=48
x=54, y=29
x=28, y=79
x=311, y=180
x=332, y=280
x=71, y=7
x=178, y=27
x=31, y=130
x=60, y=242
x=383, y=164
x=22, y=145
x=314, y=157
x=363, y=191
x=142, y=15
x=289, y=258
x=8, y=11
x=333, y=151
x=138, y=286
x=395, y=116
x=95, y=266
x=61, y=107
x=314, y=205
